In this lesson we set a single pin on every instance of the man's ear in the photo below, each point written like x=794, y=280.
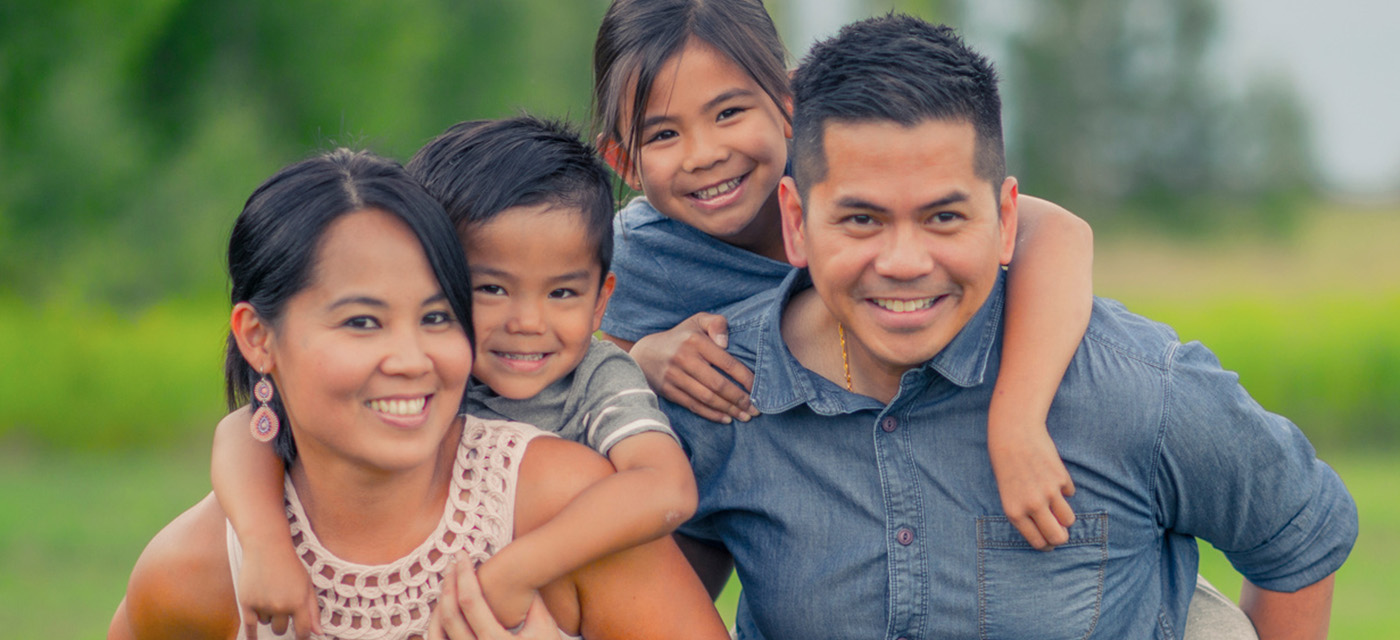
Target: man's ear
x=604, y=294
x=616, y=157
x=794, y=229
x=1009, y=217
x=253, y=336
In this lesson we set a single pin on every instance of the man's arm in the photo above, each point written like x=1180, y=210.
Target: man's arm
x=1276, y=615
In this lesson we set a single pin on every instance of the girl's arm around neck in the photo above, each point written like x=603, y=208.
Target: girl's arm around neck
x=1049, y=297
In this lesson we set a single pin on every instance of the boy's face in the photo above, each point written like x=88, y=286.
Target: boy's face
x=536, y=298
x=902, y=238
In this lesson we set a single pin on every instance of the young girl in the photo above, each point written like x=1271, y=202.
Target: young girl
x=692, y=108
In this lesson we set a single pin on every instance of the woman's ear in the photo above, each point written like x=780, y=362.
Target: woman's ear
x=616, y=157
x=253, y=335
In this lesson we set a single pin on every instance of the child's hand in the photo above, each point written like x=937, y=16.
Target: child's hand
x=1033, y=482
x=687, y=365
x=500, y=588
x=463, y=614
x=275, y=589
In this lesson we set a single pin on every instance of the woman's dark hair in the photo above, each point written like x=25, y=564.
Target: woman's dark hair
x=638, y=37
x=273, y=249
x=478, y=169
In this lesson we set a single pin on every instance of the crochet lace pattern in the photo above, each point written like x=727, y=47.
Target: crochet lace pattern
x=394, y=600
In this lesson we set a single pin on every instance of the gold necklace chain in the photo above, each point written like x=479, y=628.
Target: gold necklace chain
x=845, y=359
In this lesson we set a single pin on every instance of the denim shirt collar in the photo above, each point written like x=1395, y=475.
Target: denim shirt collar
x=781, y=382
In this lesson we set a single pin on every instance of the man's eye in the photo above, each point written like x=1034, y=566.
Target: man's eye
x=947, y=216
x=860, y=219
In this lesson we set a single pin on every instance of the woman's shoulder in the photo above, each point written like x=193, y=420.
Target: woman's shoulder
x=181, y=586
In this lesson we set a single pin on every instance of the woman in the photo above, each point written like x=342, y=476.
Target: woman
x=350, y=311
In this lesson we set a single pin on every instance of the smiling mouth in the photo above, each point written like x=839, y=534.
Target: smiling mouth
x=720, y=189
x=904, y=306
x=399, y=407
x=520, y=357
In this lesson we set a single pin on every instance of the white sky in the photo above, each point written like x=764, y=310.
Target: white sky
x=1342, y=56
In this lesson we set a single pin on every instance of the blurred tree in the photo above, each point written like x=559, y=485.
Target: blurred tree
x=131, y=132
x=1121, y=113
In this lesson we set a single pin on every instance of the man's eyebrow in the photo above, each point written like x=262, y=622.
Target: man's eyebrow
x=856, y=202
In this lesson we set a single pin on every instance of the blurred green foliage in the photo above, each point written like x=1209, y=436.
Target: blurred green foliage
x=130, y=133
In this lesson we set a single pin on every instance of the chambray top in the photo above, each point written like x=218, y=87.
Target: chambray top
x=668, y=271
x=848, y=518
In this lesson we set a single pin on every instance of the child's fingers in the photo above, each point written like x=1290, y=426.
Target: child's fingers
x=449, y=612
x=1028, y=529
x=714, y=325
x=1064, y=515
x=308, y=620
x=250, y=623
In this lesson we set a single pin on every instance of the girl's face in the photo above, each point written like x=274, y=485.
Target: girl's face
x=369, y=359
x=712, y=149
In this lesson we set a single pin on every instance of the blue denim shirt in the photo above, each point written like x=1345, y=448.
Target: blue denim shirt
x=668, y=271
x=849, y=518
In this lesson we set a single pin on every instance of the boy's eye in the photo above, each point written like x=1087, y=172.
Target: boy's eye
x=490, y=289
x=437, y=318
x=362, y=322
x=563, y=293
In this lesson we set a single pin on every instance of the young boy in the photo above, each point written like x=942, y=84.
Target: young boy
x=533, y=208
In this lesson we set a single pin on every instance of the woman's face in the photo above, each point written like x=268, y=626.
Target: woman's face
x=369, y=358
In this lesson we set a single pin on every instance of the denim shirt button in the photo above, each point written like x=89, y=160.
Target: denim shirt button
x=889, y=424
x=905, y=536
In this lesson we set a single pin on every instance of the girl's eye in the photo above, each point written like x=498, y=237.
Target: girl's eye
x=729, y=113
x=662, y=135
x=437, y=318
x=563, y=293
x=362, y=322
x=490, y=290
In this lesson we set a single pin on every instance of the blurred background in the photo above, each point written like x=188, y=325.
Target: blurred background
x=1238, y=159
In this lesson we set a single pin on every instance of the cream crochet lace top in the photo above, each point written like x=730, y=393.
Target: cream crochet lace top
x=394, y=600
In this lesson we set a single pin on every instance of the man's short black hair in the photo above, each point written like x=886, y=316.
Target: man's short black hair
x=900, y=69
x=480, y=168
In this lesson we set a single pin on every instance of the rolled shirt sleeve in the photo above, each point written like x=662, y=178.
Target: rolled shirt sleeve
x=1247, y=480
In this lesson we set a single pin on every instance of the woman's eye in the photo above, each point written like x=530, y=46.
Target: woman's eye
x=362, y=322
x=437, y=318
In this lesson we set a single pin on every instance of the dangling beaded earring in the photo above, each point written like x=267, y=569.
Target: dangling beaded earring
x=265, y=422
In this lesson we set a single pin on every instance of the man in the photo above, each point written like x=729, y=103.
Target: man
x=861, y=502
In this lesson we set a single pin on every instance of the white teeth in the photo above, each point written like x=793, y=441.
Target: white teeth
x=527, y=357
x=399, y=407
x=721, y=188
x=904, y=306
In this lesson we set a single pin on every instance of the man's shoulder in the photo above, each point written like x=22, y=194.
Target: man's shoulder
x=1116, y=330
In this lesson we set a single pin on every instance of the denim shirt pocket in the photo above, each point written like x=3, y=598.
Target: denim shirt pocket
x=1023, y=593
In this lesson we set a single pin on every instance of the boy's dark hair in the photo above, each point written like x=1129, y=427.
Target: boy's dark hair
x=900, y=69
x=480, y=168
x=638, y=37
x=274, y=246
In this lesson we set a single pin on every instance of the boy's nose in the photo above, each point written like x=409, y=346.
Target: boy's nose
x=527, y=318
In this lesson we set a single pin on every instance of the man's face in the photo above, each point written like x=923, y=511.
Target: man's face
x=902, y=239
